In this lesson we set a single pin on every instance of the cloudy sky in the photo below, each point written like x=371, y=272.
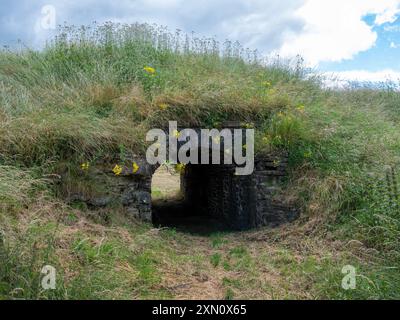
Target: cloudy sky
x=356, y=39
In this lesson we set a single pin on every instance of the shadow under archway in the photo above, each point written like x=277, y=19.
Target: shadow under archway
x=203, y=199
x=181, y=216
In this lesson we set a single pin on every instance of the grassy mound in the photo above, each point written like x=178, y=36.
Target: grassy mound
x=95, y=91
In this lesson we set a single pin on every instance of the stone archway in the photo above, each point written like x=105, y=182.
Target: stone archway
x=241, y=202
x=216, y=191
x=213, y=194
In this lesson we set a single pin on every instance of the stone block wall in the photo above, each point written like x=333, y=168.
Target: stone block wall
x=215, y=190
x=268, y=177
x=241, y=202
x=102, y=187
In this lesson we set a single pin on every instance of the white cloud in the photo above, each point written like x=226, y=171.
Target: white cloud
x=335, y=31
x=255, y=23
x=393, y=45
x=392, y=28
x=340, y=79
x=319, y=30
x=389, y=13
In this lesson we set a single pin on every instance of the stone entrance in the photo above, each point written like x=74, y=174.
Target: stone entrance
x=239, y=202
x=215, y=191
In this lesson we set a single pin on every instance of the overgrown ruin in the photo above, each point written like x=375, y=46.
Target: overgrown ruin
x=239, y=202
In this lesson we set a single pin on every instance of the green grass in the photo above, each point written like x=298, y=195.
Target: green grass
x=215, y=259
x=86, y=96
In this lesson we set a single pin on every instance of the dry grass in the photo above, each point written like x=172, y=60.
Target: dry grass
x=81, y=100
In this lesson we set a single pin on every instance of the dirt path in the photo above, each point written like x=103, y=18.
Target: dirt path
x=238, y=266
x=246, y=265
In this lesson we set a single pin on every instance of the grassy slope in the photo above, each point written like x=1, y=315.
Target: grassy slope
x=87, y=95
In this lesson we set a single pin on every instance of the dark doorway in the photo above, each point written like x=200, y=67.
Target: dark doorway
x=210, y=198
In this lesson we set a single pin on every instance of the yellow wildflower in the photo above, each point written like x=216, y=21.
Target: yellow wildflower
x=135, y=167
x=247, y=125
x=117, y=170
x=163, y=106
x=176, y=133
x=149, y=70
x=281, y=114
x=85, y=166
x=267, y=83
x=245, y=146
x=307, y=154
x=300, y=108
x=266, y=140
x=180, y=167
x=278, y=139
x=217, y=139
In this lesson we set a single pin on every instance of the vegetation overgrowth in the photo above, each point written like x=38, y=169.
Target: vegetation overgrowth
x=96, y=91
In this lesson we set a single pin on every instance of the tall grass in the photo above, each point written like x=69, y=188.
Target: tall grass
x=87, y=94
x=87, y=91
